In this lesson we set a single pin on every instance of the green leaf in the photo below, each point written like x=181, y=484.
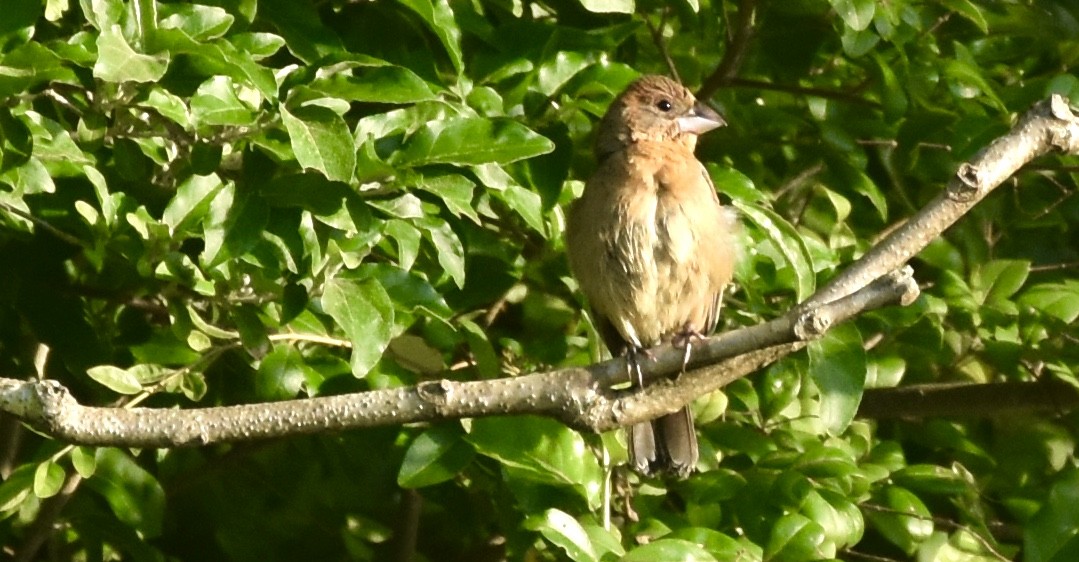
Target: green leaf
x=1059, y=300
x=116, y=379
x=857, y=43
x=199, y=22
x=839, y=517
x=558, y=69
x=219, y=57
x=380, y=83
x=16, y=488
x=258, y=45
x=135, y=496
x=1054, y=527
x=309, y=191
x=837, y=363
x=118, y=62
x=822, y=461
x=905, y=522
x=470, y=141
x=719, y=545
x=540, y=450
x=365, y=312
x=191, y=203
x=932, y=479
x=321, y=141
x=438, y=15
x=525, y=203
x=435, y=456
x=48, y=479
x=407, y=239
x=448, y=248
x=84, y=461
x=29, y=65
x=967, y=80
x=235, y=224
x=168, y=105
x=19, y=14
x=281, y=374
x=735, y=184
x=970, y=11
x=216, y=103
x=609, y=6
x=455, y=191
x=668, y=549
x=562, y=530
x=998, y=280
x=789, y=242
x=796, y=537
x=892, y=93
x=16, y=141
x=408, y=291
x=857, y=14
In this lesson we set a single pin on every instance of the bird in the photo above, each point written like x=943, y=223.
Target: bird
x=651, y=246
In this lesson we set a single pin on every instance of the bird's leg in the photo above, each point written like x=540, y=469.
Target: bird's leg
x=633, y=364
x=684, y=340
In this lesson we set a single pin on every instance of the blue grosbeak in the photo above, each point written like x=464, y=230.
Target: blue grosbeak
x=650, y=245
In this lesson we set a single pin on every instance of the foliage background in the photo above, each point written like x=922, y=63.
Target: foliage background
x=207, y=204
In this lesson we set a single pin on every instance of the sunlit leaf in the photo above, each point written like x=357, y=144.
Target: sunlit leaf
x=321, y=141
x=472, y=140
x=118, y=62
x=364, y=312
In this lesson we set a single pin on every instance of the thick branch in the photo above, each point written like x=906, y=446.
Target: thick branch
x=581, y=397
x=969, y=400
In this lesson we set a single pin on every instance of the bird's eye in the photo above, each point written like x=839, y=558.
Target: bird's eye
x=664, y=105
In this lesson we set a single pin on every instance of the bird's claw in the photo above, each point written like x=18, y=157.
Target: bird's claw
x=684, y=340
x=633, y=364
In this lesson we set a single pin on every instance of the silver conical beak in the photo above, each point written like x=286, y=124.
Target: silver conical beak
x=700, y=120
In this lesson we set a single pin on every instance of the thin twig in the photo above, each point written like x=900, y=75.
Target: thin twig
x=661, y=44
x=735, y=53
x=1054, y=266
x=948, y=523
x=46, y=226
x=842, y=95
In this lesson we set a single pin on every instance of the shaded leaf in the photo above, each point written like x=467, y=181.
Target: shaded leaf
x=540, y=450
x=434, y=456
x=837, y=363
x=471, y=140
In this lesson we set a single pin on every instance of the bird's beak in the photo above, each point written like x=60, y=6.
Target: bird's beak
x=700, y=120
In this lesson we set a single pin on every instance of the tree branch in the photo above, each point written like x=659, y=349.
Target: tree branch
x=580, y=397
x=735, y=54
x=1049, y=125
x=959, y=400
x=584, y=398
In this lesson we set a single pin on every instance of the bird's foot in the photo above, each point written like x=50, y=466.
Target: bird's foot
x=633, y=364
x=684, y=340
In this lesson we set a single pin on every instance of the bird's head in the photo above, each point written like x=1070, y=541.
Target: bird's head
x=654, y=108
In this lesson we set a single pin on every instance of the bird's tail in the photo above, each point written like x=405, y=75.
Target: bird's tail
x=664, y=445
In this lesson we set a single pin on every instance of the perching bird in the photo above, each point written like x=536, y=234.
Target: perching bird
x=650, y=245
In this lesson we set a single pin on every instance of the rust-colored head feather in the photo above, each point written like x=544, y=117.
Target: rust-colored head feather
x=654, y=108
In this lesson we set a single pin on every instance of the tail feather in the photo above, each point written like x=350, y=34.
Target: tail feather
x=665, y=445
